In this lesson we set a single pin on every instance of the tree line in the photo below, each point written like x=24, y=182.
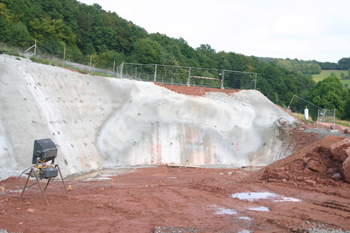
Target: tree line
x=89, y=31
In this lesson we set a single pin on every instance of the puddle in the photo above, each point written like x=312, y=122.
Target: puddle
x=252, y=196
x=244, y=231
x=245, y=218
x=260, y=208
x=290, y=199
x=225, y=211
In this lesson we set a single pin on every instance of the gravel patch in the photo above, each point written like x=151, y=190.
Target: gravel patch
x=326, y=132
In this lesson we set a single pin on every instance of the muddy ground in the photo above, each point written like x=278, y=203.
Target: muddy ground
x=285, y=196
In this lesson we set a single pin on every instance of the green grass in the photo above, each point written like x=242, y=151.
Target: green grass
x=326, y=73
x=100, y=74
x=347, y=81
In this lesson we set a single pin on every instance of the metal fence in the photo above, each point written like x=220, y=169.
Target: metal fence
x=326, y=118
x=189, y=76
x=322, y=117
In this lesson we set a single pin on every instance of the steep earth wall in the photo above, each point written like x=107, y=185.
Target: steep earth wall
x=99, y=122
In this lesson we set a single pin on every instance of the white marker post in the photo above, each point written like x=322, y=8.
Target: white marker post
x=306, y=113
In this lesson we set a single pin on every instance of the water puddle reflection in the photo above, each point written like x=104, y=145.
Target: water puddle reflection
x=252, y=196
x=225, y=211
x=260, y=208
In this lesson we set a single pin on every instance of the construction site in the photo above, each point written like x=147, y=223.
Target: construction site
x=141, y=156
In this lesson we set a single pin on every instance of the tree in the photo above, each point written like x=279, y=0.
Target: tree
x=5, y=12
x=329, y=92
x=50, y=29
x=344, y=63
x=147, y=51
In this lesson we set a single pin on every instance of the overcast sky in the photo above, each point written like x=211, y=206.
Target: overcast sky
x=304, y=29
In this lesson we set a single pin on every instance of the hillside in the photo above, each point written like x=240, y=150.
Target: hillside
x=85, y=33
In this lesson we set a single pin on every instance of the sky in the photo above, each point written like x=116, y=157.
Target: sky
x=303, y=29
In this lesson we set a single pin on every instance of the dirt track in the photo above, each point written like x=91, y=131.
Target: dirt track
x=173, y=199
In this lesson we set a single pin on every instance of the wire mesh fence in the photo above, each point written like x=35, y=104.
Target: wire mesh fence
x=326, y=118
x=302, y=108
x=164, y=74
x=190, y=76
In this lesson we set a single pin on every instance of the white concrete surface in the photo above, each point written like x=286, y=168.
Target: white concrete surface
x=100, y=122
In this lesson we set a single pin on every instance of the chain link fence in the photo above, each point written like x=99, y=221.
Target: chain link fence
x=324, y=118
x=164, y=74
x=189, y=76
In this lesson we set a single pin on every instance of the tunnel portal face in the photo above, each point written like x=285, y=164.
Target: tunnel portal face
x=99, y=122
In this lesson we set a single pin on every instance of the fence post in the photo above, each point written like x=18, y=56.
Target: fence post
x=114, y=66
x=222, y=80
x=189, y=76
x=35, y=48
x=155, y=73
x=255, y=80
x=90, y=60
x=289, y=102
x=121, y=70
x=334, y=120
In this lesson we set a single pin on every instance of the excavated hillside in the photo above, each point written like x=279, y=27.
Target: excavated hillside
x=99, y=122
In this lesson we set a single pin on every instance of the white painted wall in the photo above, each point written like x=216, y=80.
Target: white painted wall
x=101, y=122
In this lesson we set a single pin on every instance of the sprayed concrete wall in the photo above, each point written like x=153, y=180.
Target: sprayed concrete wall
x=99, y=122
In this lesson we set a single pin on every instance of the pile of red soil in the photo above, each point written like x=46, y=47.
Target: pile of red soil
x=316, y=164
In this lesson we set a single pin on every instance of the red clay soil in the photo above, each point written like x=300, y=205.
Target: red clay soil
x=196, y=91
x=173, y=199
x=166, y=199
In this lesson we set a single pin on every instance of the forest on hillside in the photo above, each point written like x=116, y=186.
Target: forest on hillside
x=85, y=31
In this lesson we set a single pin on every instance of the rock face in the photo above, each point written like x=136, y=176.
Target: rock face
x=316, y=166
x=99, y=122
x=336, y=149
x=346, y=170
x=344, y=153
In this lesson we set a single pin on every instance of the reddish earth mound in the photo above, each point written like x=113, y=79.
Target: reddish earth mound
x=196, y=91
x=321, y=163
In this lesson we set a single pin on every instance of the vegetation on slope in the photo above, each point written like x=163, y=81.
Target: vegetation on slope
x=87, y=31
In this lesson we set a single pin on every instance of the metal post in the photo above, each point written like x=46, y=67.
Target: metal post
x=90, y=60
x=35, y=48
x=222, y=79
x=121, y=70
x=256, y=75
x=289, y=102
x=155, y=73
x=318, y=116
x=114, y=66
x=334, y=120
x=64, y=53
x=189, y=76
x=135, y=72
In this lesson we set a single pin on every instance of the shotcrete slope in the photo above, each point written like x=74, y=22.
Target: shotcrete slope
x=100, y=122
